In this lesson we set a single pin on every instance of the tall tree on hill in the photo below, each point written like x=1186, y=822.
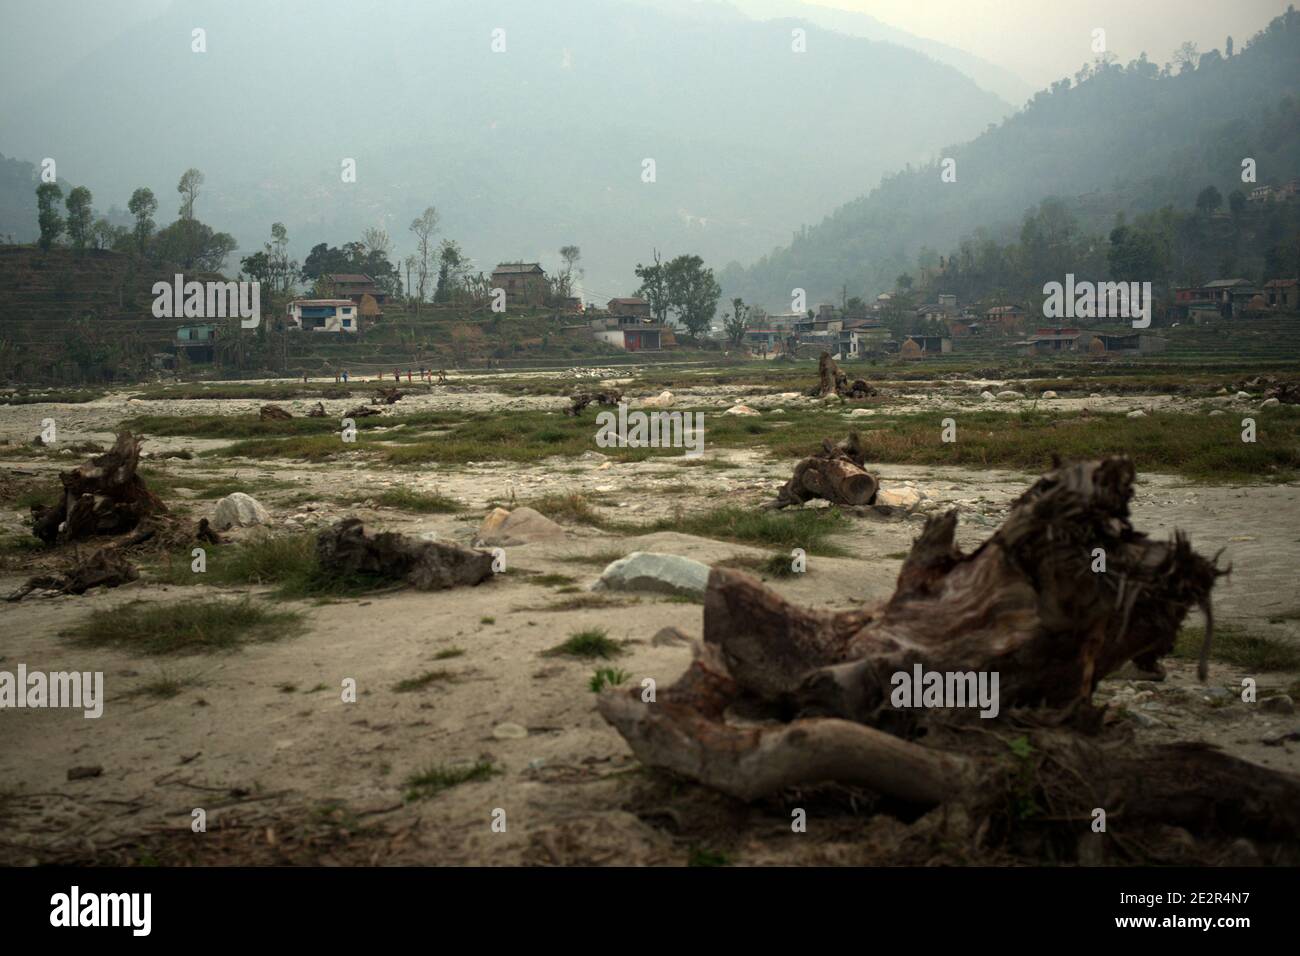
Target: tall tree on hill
x=424, y=227
x=143, y=205
x=51, y=223
x=377, y=241
x=80, y=217
x=1208, y=200
x=693, y=293
x=654, y=288
x=451, y=269
x=569, y=272
x=188, y=187
x=1186, y=57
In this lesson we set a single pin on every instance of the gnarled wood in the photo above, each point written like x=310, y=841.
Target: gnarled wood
x=346, y=551
x=837, y=474
x=104, y=496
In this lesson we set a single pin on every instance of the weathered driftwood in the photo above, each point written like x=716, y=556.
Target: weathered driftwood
x=347, y=551
x=580, y=400
x=832, y=381
x=837, y=474
x=105, y=496
x=386, y=396
x=317, y=411
x=362, y=411
x=274, y=413
x=206, y=534
x=815, y=686
x=107, y=567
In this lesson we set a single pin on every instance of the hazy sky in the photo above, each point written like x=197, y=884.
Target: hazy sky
x=1043, y=40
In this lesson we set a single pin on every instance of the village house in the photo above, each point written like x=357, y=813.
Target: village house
x=1120, y=342
x=324, y=315
x=631, y=305
x=196, y=342
x=1005, y=318
x=358, y=288
x=1046, y=341
x=1261, y=194
x=524, y=283
x=632, y=333
x=1282, y=294
x=924, y=346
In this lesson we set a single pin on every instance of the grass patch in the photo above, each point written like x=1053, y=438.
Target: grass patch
x=289, y=561
x=600, y=559
x=702, y=856
x=805, y=528
x=607, y=677
x=1235, y=645
x=449, y=653
x=439, y=777
x=425, y=503
x=552, y=580
x=191, y=627
x=423, y=681
x=594, y=643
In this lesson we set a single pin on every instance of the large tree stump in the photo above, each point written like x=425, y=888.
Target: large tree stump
x=105, y=496
x=816, y=687
x=347, y=551
x=274, y=413
x=837, y=474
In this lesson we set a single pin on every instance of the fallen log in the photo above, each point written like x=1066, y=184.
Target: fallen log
x=107, y=567
x=832, y=381
x=837, y=474
x=363, y=411
x=818, y=690
x=274, y=413
x=317, y=411
x=386, y=396
x=348, y=552
x=105, y=496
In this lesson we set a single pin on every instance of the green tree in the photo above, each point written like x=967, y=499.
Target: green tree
x=693, y=293
x=143, y=205
x=569, y=272
x=80, y=217
x=1237, y=202
x=736, y=321
x=51, y=223
x=654, y=288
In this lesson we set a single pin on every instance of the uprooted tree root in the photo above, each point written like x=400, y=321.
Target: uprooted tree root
x=838, y=473
x=783, y=697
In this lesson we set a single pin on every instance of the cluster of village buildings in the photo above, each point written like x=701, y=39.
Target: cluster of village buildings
x=627, y=322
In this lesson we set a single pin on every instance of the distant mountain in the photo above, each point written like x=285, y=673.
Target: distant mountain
x=992, y=77
x=522, y=151
x=1128, y=139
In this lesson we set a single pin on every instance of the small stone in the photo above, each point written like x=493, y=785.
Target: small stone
x=1009, y=396
x=509, y=732
x=740, y=410
x=1217, y=411
x=1050, y=394
x=1136, y=413
x=1270, y=403
x=988, y=396
x=239, y=510
x=663, y=573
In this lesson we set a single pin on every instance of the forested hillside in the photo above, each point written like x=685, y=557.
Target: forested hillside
x=1113, y=139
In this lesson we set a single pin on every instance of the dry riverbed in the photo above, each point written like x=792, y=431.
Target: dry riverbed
x=263, y=742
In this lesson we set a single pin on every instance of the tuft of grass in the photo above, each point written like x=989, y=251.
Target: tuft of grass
x=552, y=580
x=449, y=653
x=593, y=643
x=192, y=627
x=439, y=777
x=165, y=686
x=600, y=559
x=487, y=620
x=809, y=529
x=423, y=681
x=607, y=677
x=1238, y=646
x=404, y=499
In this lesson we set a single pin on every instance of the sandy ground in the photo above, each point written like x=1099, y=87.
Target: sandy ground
x=288, y=771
